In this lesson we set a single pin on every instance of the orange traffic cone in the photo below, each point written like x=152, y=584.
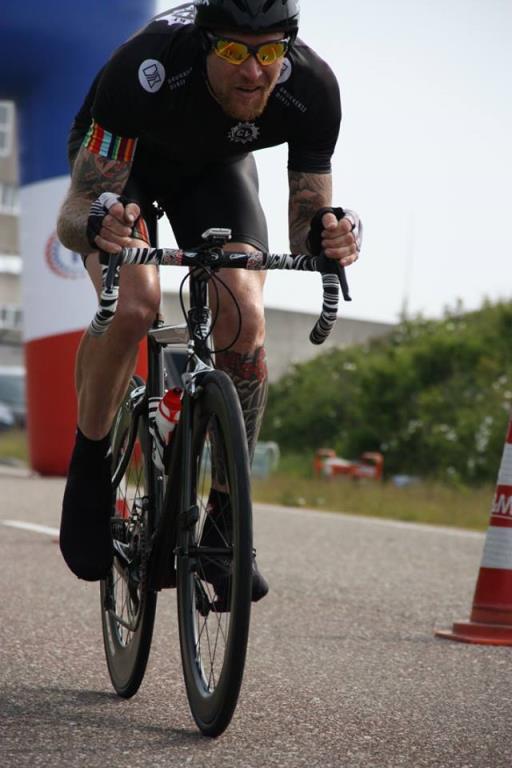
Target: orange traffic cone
x=490, y=622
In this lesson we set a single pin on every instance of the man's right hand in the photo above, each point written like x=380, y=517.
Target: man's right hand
x=110, y=223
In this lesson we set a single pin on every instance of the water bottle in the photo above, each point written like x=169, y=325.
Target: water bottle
x=166, y=416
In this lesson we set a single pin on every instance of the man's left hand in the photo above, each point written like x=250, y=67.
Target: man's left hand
x=341, y=240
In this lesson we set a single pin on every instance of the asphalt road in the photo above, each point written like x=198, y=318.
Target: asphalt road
x=343, y=667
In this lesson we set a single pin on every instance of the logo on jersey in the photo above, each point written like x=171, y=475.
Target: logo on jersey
x=179, y=80
x=151, y=75
x=286, y=72
x=183, y=14
x=243, y=133
x=289, y=100
x=62, y=262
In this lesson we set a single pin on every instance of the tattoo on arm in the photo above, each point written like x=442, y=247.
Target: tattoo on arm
x=308, y=193
x=92, y=175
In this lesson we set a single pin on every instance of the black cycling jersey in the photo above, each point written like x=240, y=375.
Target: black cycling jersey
x=154, y=89
x=151, y=103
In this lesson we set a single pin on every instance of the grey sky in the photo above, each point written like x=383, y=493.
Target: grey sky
x=425, y=153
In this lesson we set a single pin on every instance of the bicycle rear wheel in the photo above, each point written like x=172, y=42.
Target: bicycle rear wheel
x=214, y=563
x=127, y=605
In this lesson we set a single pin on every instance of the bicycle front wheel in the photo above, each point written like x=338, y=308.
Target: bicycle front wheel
x=128, y=606
x=214, y=563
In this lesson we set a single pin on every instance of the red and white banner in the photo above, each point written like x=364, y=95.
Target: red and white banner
x=58, y=303
x=58, y=297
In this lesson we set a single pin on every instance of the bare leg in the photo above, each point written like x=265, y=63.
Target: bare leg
x=245, y=361
x=103, y=368
x=104, y=364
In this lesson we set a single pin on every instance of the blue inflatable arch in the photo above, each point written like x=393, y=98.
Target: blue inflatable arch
x=49, y=53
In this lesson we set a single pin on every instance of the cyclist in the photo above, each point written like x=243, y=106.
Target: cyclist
x=170, y=123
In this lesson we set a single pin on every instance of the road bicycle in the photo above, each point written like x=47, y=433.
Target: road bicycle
x=166, y=530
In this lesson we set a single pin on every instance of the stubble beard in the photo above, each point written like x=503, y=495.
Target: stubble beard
x=238, y=111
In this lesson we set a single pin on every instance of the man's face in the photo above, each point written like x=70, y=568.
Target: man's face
x=243, y=90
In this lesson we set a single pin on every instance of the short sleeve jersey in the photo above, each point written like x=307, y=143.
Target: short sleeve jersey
x=154, y=90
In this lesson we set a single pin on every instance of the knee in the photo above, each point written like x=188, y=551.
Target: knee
x=252, y=328
x=136, y=313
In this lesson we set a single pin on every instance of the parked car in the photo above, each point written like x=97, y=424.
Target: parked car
x=13, y=405
x=6, y=418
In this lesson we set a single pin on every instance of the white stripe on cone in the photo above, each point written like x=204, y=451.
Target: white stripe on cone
x=498, y=548
x=505, y=474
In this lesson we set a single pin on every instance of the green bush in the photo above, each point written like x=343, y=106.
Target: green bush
x=433, y=396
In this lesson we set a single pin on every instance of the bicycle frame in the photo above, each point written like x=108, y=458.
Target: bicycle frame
x=183, y=530
x=195, y=333
x=202, y=263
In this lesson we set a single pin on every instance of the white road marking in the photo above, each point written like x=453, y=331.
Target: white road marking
x=44, y=529
x=405, y=526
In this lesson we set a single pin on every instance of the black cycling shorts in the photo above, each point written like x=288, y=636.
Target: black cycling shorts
x=219, y=195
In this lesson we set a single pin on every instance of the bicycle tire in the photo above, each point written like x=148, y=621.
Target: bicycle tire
x=125, y=596
x=205, y=620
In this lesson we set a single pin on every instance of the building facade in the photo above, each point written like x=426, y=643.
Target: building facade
x=10, y=261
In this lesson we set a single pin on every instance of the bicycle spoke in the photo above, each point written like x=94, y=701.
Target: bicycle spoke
x=213, y=579
x=128, y=607
x=213, y=629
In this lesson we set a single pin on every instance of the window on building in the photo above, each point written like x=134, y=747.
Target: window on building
x=6, y=127
x=11, y=317
x=9, y=201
